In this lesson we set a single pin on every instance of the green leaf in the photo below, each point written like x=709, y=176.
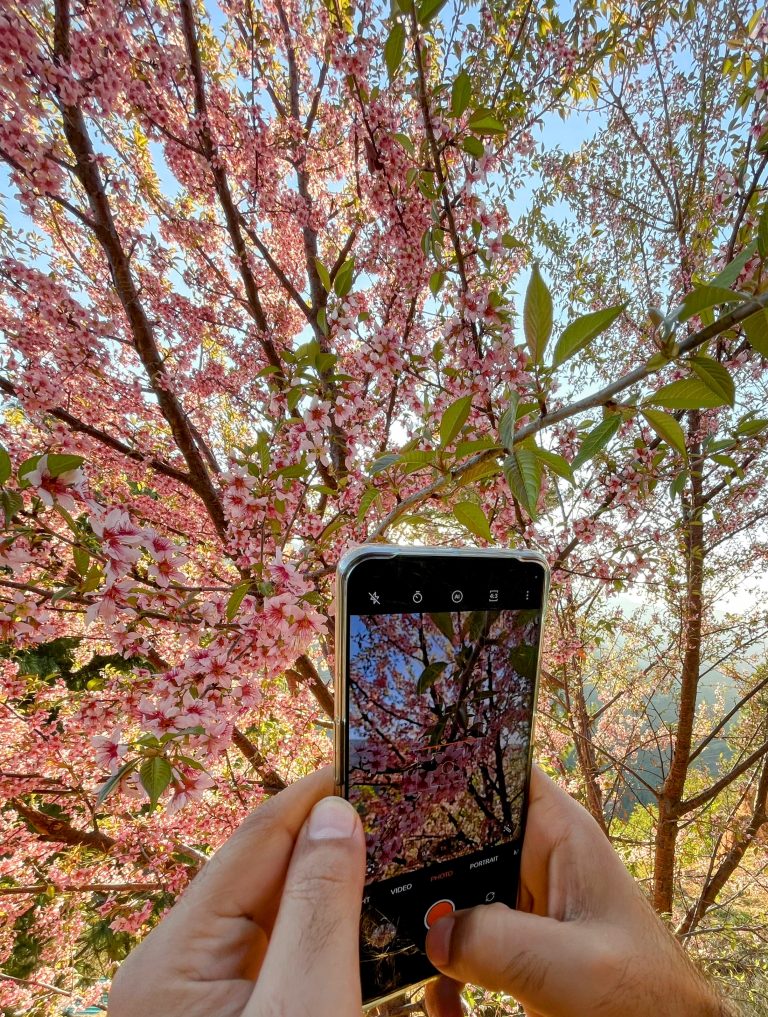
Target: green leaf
x=155, y=775
x=715, y=376
x=428, y=9
x=762, y=233
x=597, y=439
x=82, y=560
x=322, y=320
x=468, y=448
x=479, y=471
x=27, y=466
x=58, y=464
x=454, y=419
x=728, y=461
x=483, y=121
x=582, y=331
x=436, y=281
x=668, y=429
x=507, y=422
x=733, y=269
x=406, y=142
x=394, y=48
x=109, y=785
x=429, y=676
x=331, y=528
x=293, y=471
x=523, y=472
x=12, y=503
x=756, y=330
x=236, y=598
x=93, y=579
x=657, y=361
x=686, y=394
x=369, y=497
x=556, y=463
x=752, y=425
x=537, y=315
x=443, y=620
x=678, y=484
x=342, y=284
x=322, y=272
x=383, y=463
x=5, y=465
x=701, y=299
x=417, y=457
x=461, y=93
x=473, y=146
x=470, y=515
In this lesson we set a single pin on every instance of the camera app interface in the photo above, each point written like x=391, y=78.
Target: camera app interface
x=440, y=705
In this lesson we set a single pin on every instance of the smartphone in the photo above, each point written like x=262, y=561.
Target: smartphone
x=436, y=678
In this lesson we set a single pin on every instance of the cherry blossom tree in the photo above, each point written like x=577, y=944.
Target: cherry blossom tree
x=666, y=190
x=260, y=267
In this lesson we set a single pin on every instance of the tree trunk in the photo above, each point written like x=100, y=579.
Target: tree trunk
x=585, y=751
x=674, y=785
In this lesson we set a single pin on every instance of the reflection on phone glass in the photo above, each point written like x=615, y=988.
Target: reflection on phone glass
x=439, y=721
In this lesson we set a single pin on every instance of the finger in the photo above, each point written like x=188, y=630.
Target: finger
x=312, y=963
x=568, y=868
x=245, y=876
x=539, y=961
x=442, y=997
x=218, y=929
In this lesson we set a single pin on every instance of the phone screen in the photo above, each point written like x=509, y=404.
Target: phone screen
x=442, y=660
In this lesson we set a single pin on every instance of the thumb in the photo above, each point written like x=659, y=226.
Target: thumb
x=542, y=962
x=312, y=963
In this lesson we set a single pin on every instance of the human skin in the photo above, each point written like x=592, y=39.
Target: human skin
x=270, y=926
x=584, y=942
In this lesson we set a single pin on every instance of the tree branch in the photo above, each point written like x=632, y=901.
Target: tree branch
x=221, y=183
x=600, y=398
x=726, y=868
x=272, y=781
x=159, y=465
x=712, y=792
x=50, y=829
x=308, y=673
x=88, y=173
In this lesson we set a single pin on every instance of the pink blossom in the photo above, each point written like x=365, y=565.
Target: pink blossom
x=61, y=489
x=109, y=750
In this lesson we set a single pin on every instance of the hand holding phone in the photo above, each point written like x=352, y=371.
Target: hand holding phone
x=584, y=942
x=438, y=654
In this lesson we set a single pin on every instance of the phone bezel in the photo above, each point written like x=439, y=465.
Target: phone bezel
x=344, y=569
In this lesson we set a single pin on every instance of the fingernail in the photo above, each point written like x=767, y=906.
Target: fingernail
x=332, y=819
x=439, y=942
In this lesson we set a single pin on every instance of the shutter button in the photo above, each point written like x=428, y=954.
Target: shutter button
x=439, y=909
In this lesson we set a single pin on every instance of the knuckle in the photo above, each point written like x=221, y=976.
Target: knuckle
x=316, y=884
x=524, y=971
x=482, y=944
